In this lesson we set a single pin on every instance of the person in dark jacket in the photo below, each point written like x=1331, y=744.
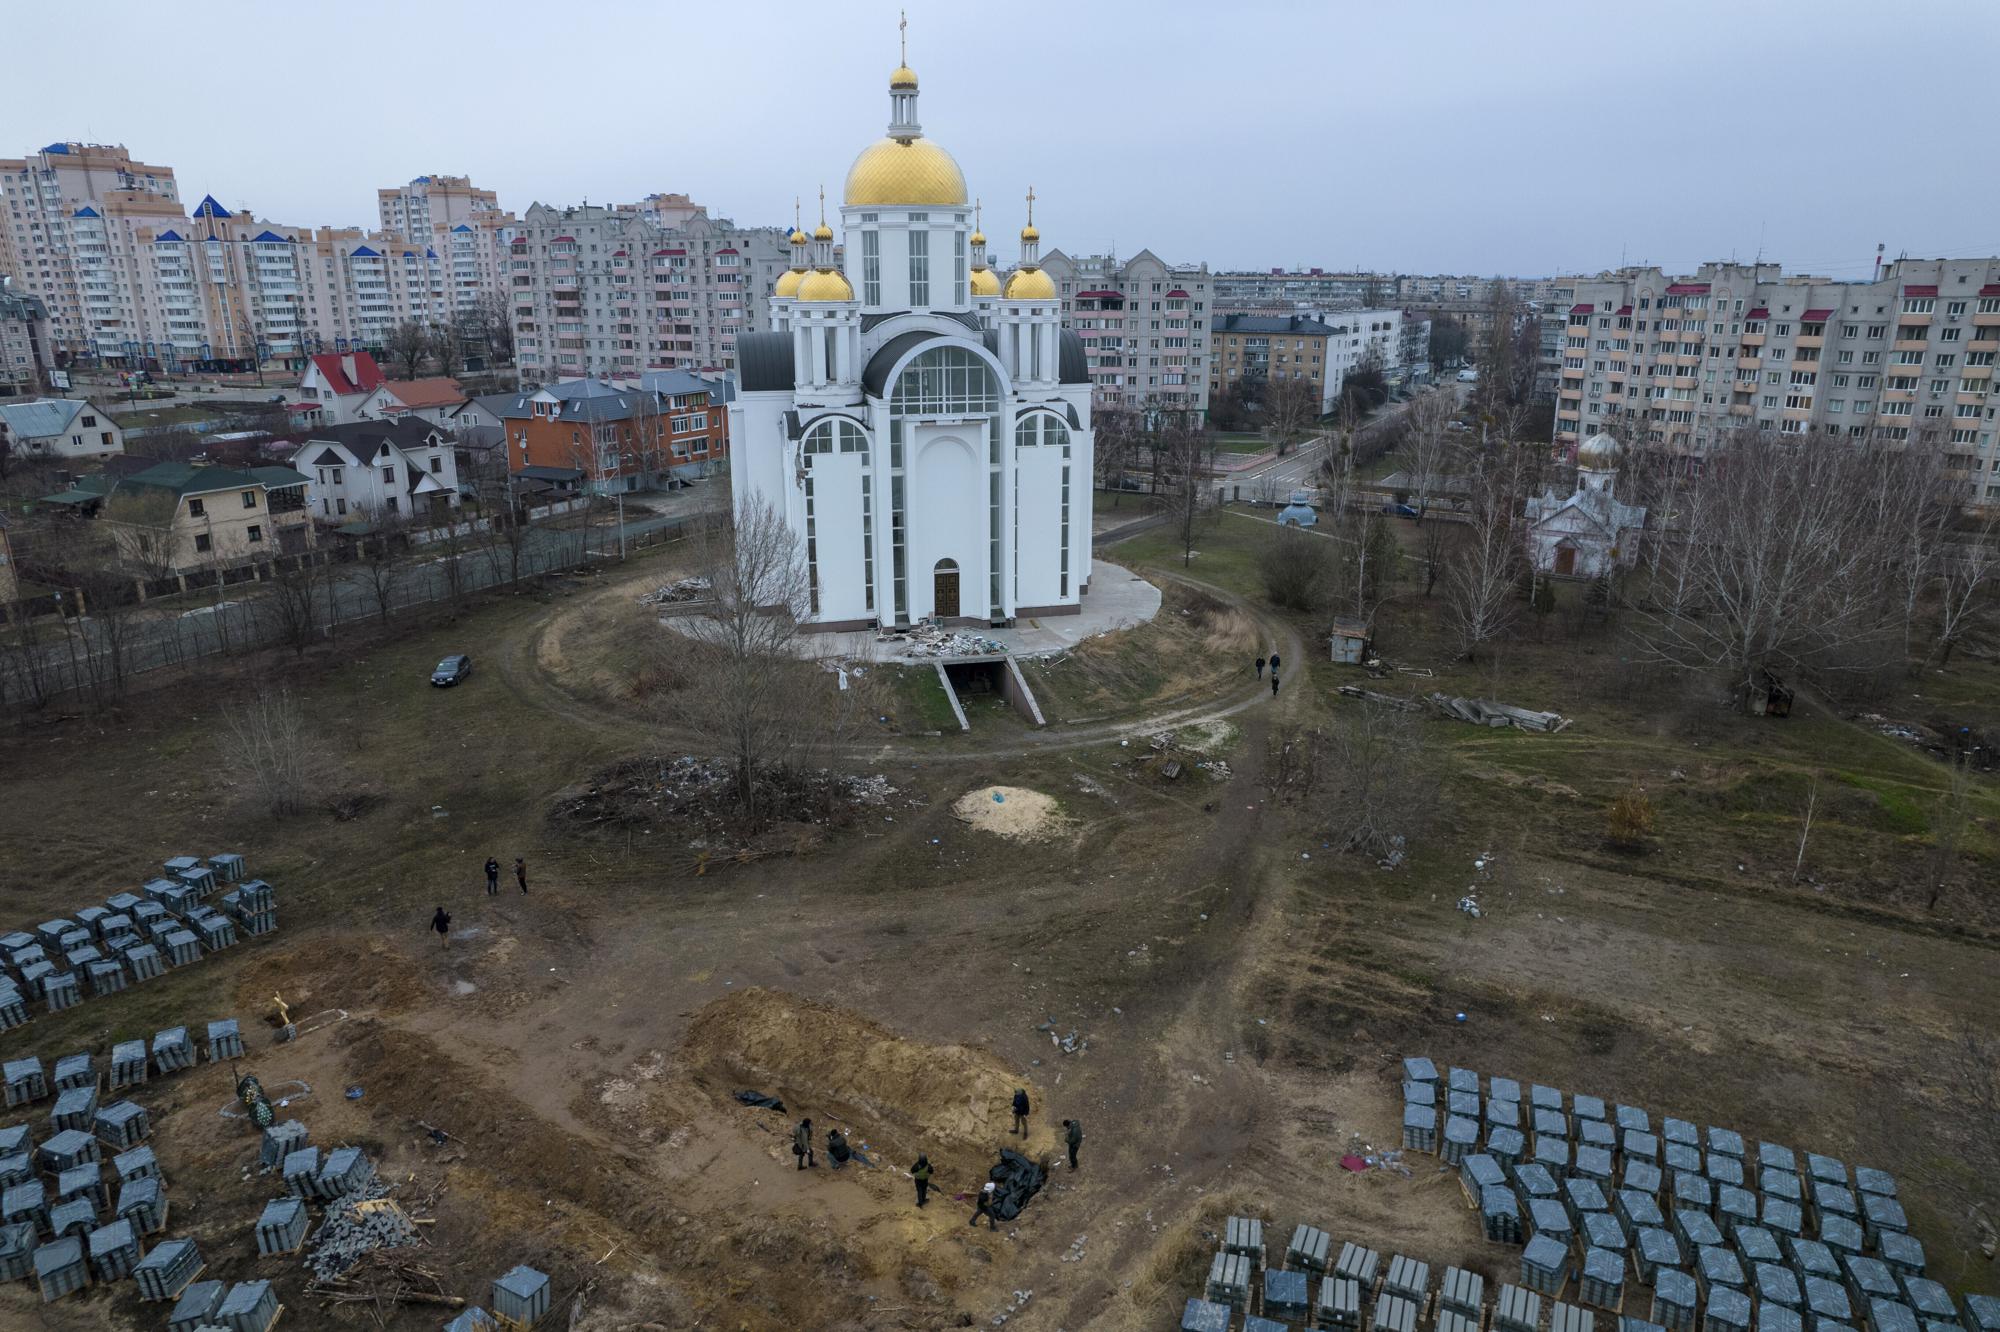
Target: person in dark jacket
x=521, y=874
x=1260, y=665
x=1274, y=682
x=982, y=1205
x=1021, y=1111
x=837, y=1150
x=1073, y=1138
x=1274, y=663
x=802, y=1144
x=441, y=922
x=492, y=876
x=921, y=1173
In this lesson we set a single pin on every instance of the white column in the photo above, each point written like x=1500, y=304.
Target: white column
x=801, y=360
x=1045, y=334
x=818, y=352
x=844, y=349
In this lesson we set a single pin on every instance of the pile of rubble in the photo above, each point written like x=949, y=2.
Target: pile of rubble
x=927, y=641
x=645, y=792
x=678, y=592
x=357, y=1227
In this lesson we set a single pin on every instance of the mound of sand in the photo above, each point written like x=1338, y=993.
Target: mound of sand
x=826, y=1062
x=1017, y=812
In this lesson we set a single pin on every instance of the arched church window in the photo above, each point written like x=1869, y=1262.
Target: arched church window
x=836, y=435
x=945, y=381
x=1041, y=430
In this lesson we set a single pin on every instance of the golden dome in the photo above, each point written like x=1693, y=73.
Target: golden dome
x=977, y=238
x=798, y=237
x=825, y=284
x=903, y=77
x=822, y=232
x=1030, y=284
x=788, y=283
x=891, y=171
x=1028, y=233
x=984, y=283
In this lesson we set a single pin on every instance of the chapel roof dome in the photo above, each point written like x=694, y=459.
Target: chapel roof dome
x=898, y=171
x=825, y=284
x=1030, y=284
x=788, y=284
x=984, y=282
x=1598, y=451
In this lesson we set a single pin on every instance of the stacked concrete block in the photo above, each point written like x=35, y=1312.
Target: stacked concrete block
x=114, y=1251
x=128, y=1064
x=1359, y=1265
x=61, y=1268
x=1517, y=1309
x=1450, y=1320
x=25, y=1081
x=1420, y=1128
x=1477, y=1171
x=1869, y=1279
x=196, y=1307
x=1465, y=1104
x=80, y=955
x=1502, y=1115
x=145, y=962
x=1637, y=1209
x=1601, y=1280
x=1717, y=1268
x=16, y=1168
x=1982, y=1313
x=1674, y=1299
x=1878, y=1182
x=1903, y=1253
x=183, y=948
x=224, y=1041
x=1829, y=1199
x=1394, y=1314
x=1419, y=1069
x=1287, y=1294
x=1842, y=1235
x=1601, y=1231
x=1199, y=1316
x=1569, y=1318
x=1503, y=1089
x=1727, y=1310
x=1781, y=1217
x=1542, y=1097
x=250, y=1306
x=26, y=1201
x=1691, y=1193
x=1812, y=1258
x=105, y=977
x=1725, y=1170
x=146, y=913
x=301, y=1172
x=144, y=1204
x=1507, y=1146
x=1881, y=1212
x=1825, y=1169
x=1545, y=1265
x=1595, y=1133
x=1777, y=1318
x=173, y=1050
x=1549, y=1123
x=1309, y=1250
x=1547, y=1216
x=35, y=978
x=1725, y=1142
x=1695, y=1228
x=1462, y=1292
x=1757, y=1245
x=1408, y=1278
x=1826, y=1301
x=121, y=1124
x=1339, y=1303
x=1928, y=1298
x=13, y=1006
x=83, y=1181
x=1593, y=1163
x=175, y=866
x=168, y=1269
x=1639, y=1145
x=1779, y=1184
x=139, y=1163
x=1500, y=1215
x=1734, y=1207
x=77, y=1216
x=1890, y=1316
x=1678, y=1159
x=282, y=1227
x=1654, y=1249
x=280, y=1141
x=74, y=1108
x=228, y=866
x=14, y=941
x=217, y=932
x=1461, y=1139
x=67, y=1150
x=15, y=1138
x=1641, y=1177
x=200, y=878
x=1228, y=1283
x=50, y=933
x=1240, y=1234
x=17, y=1250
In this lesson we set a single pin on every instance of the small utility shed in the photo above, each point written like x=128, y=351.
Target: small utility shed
x=1349, y=640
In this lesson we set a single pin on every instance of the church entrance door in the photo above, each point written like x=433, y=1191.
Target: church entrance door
x=944, y=589
x=1565, y=561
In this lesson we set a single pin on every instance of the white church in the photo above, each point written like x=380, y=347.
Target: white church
x=924, y=430
x=1591, y=532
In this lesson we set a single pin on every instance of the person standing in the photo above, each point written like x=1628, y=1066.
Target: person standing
x=1274, y=663
x=982, y=1205
x=1260, y=665
x=1274, y=682
x=492, y=876
x=921, y=1173
x=1021, y=1111
x=1073, y=1138
x=802, y=1144
x=521, y=874
x=441, y=922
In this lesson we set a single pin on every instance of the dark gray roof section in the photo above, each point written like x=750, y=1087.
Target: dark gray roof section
x=765, y=361
x=1072, y=366
x=1299, y=324
x=364, y=438
x=875, y=379
x=990, y=339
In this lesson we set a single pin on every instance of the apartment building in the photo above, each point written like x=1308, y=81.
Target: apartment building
x=610, y=292
x=463, y=224
x=1283, y=290
x=1271, y=348
x=1677, y=362
x=1144, y=325
x=632, y=435
x=25, y=361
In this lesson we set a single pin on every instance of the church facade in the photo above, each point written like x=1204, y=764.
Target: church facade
x=1592, y=532
x=922, y=425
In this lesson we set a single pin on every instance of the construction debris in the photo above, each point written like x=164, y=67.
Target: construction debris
x=678, y=592
x=928, y=641
x=1386, y=700
x=1486, y=712
x=353, y=1229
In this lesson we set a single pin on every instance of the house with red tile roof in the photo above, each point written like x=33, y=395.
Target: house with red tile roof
x=432, y=400
x=333, y=388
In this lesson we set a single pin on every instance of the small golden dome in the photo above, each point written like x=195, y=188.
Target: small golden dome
x=798, y=237
x=1028, y=233
x=903, y=77
x=978, y=238
x=825, y=284
x=1030, y=284
x=822, y=232
x=891, y=171
x=788, y=284
x=984, y=283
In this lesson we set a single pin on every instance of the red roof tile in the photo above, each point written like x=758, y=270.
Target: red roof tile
x=1583, y=307
x=367, y=375
x=1817, y=316
x=1920, y=291
x=1759, y=313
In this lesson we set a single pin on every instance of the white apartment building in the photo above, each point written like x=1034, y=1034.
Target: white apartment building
x=1144, y=325
x=1678, y=362
x=463, y=224
x=607, y=291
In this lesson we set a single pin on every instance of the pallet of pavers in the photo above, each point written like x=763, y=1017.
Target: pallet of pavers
x=168, y=1270
x=282, y=1227
x=520, y=1297
x=250, y=1306
x=61, y=1267
x=1339, y=1303
x=1308, y=1251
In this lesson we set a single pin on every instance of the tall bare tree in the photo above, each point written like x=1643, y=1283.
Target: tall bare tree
x=1291, y=407
x=1114, y=430
x=406, y=347
x=290, y=604
x=267, y=743
x=1485, y=568
x=1186, y=465
x=144, y=522
x=1967, y=573
x=1429, y=456
x=445, y=345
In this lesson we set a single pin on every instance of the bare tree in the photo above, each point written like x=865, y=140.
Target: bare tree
x=1186, y=462
x=1383, y=785
x=1299, y=570
x=1430, y=452
x=1805, y=825
x=290, y=604
x=446, y=346
x=1965, y=577
x=249, y=339
x=384, y=562
x=144, y=522
x=406, y=346
x=490, y=322
x=267, y=743
x=1485, y=567
x=1114, y=431
x=1291, y=407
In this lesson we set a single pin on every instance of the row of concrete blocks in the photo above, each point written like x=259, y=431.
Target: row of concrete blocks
x=20, y=1161
x=134, y=961
x=186, y=882
x=25, y=1080
x=247, y=1306
x=345, y=1170
x=82, y=1203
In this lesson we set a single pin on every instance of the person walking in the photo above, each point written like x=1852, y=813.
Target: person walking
x=921, y=1173
x=1021, y=1111
x=982, y=1205
x=492, y=876
x=521, y=874
x=802, y=1144
x=1073, y=1138
x=1274, y=683
x=1274, y=663
x=837, y=1150
x=1260, y=665
x=441, y=922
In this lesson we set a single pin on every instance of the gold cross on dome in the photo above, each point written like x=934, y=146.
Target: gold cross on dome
x=822, y=205
x=1031, y=205
x=977, y=213
x=903, y=36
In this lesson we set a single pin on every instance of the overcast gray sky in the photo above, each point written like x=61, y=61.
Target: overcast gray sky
x=1454, y=136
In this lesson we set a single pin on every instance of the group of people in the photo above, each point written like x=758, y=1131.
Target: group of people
x=441, y=919
x=839, y=1151
x=1261, y=663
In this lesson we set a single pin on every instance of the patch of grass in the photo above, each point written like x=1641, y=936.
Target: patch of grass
x=1226, y=547
x=1901, y=811
x=925, y=700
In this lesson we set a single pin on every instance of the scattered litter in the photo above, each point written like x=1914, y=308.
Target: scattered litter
x=354, y=1092
x=929, y=641
x=760, y=1101
x=1354, y=1163
x=1396, y=856
x=679, y=591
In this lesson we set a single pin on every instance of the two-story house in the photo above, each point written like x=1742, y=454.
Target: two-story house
x=177, y=518
x=433, y=400
x=379, y=471
x=59, y=428
x=333, y=388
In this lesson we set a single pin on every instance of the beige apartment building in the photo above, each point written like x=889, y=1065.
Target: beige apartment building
x=1677, y=362
x=1271, y=348
x=1144, y=325
x=464, y=225
x=609, y=291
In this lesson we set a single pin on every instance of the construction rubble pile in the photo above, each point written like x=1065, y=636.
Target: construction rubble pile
x=355, y=1227
x=1486, y=712
x=679, y=592
x=926, y=641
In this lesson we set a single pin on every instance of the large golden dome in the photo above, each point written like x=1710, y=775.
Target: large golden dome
x=788, y=283
x=1030, y=284
x=825, y=284
x=892, y=171
x=984, y=283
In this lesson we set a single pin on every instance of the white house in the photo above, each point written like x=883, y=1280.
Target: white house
x=433, y=400
x=924, y=430
x=60, y=428
x=1591, y=532
x=333, y=388
x=379, y=470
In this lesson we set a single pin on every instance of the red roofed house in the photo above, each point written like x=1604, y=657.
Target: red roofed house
x=334, y=387
x=431, y=400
